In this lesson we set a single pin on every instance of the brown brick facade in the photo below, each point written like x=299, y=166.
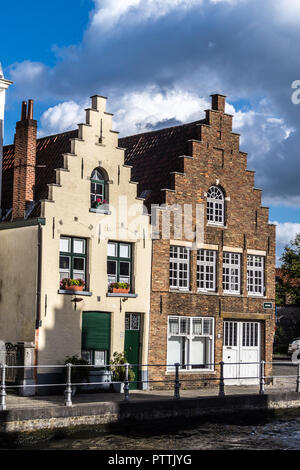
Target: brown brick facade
x=212, y=158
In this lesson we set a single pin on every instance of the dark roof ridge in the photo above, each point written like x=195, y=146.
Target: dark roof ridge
x=202, y=121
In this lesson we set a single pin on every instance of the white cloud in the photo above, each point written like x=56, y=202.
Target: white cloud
x=140, y=111
x=287, y=11
x=109, y=12
x=285, y=233
x=62, y=117
x=134, y=112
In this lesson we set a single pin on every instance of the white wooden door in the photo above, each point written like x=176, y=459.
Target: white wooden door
x=241, y=348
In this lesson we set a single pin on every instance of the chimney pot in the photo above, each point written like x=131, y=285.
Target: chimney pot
x=30, y=109
x=24, y=110
x=218, y=102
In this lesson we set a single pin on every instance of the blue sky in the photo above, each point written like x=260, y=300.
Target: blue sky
x=158, y=62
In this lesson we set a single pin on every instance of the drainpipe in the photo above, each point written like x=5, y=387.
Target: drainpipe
x=38, y=323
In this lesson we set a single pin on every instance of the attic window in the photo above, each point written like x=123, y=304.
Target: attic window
x=215, y=206
x=99, y=189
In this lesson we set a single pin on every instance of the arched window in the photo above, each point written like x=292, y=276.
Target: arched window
x=99, y=189
x=215, y=206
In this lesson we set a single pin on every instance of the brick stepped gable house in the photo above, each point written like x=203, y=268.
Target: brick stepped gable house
x=51, y=229
x=208, y=299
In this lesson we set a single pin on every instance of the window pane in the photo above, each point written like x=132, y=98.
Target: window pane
x=64, y=262
x=79, y=246
x=112, y=267
x=111, y=249
x=198, y=352
x=78, y=264
x=64, y=274
x=174, y=326
x=197, y=326
x=100, y=358
x=65, y=245
x=124, y=268
x=174, y=351
x=124, y=251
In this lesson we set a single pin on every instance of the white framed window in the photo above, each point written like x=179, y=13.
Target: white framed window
x=255, y=275
x=206, y=270
x=215, y=206
x=232, y=273
x=190, y=343
x=179, y=267
x=72, y=258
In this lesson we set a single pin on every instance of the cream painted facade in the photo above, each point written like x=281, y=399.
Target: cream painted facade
x=67, y=212
x=18, y=283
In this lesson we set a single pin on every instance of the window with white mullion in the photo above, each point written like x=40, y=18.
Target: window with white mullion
x=215, y=206
x=206, y=270
x=255, y=274
x=179, y=267
x=190, y=342
x=231, y=273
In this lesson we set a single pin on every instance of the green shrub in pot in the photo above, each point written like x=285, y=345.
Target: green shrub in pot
x=119, y=370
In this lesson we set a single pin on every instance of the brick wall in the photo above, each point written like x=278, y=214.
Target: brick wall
x=216, y=160
x=25, y=161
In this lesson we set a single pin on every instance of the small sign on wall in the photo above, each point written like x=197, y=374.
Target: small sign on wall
x=268, y=305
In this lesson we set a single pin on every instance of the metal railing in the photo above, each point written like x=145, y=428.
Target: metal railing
x=177, y=368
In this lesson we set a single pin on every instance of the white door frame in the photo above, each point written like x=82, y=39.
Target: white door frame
x=241, y=344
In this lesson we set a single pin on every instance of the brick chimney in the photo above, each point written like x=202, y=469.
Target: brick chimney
x=25, y=160
x=218, y=102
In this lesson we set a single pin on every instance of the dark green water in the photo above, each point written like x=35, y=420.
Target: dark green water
x=274, y=434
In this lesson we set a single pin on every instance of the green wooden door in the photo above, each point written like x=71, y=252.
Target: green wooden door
x=96, y=335
x=132, y=345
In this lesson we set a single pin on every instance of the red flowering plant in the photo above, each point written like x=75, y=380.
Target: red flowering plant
x=99, y=202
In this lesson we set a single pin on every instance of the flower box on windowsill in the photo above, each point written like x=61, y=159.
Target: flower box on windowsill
x=74, y=288
x=119, y=290
x=103, y=209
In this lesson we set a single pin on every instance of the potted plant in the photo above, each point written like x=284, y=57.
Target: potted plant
x=118, y=372
x=119, y=287
x=72, y=284
x=78, y=374
x=98, y=203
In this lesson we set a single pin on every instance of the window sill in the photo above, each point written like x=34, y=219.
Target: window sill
x=257, y=296
x=211, y=224
x=111, y=294
x=101, y=211
x=234, y=294
x=174, y=289
x=207, y=292
x=78, y=292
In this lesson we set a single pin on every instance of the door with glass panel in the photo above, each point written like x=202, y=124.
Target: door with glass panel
x=132, y=344
x=241, y=352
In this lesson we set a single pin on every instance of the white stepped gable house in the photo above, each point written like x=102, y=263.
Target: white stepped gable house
x=70, y=211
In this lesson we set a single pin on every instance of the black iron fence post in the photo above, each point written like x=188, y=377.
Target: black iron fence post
x=177, y=382
x=3, y=388
x=262, y=378
x=68, y=392
x=126, y=383
x=222, y=384
x=298, y=378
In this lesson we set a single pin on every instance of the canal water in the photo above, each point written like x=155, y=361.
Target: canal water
x=274, y=434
